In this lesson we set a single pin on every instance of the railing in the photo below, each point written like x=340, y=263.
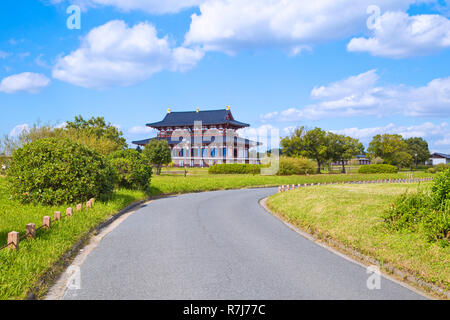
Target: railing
x=30, y=231
x=287, y=187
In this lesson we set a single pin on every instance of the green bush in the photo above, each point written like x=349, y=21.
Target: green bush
x=291, y=166
x=234, y=168
x=132, y=169
x=427, y=210
x=55, y=171
x=431, y=170
x=378, y=168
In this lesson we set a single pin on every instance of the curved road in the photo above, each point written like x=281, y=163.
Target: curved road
x=219, y=245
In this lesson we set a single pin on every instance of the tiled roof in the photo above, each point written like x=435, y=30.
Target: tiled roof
x=208, y=117
x=442, y=155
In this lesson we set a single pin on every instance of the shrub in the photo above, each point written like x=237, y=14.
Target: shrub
x=431, y=170
x=132, y=169
x=441, y=167
x=55, y=171
x=377, y=160
x=378, y=168
x=234, y=168
x=291, y=166
x=427, y=210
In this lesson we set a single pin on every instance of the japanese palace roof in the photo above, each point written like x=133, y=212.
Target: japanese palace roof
x=207, y=117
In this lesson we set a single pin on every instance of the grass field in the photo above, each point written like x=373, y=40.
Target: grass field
x=352, y=215
x=20, y=270
x=176, y=183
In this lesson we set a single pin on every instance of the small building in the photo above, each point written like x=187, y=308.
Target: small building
x=362, y=160
x=204, y=138
x=439, y=158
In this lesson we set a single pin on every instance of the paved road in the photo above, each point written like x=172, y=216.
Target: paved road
x=219, y=245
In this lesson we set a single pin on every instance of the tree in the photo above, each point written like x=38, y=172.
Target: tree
x=157, y=152
x=312, y=144
x=342, y=148
x=402, y=159
x=386, y=146
x=418, y=146
x=96, y=127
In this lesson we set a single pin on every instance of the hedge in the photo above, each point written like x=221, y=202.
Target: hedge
x=234, y=168
x=378, y=168
x=299, y=166
x=55, y=171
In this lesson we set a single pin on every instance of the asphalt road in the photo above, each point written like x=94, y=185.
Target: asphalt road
x=219, y=245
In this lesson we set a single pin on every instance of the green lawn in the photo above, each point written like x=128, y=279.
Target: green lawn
x=20, y=270
x=202, y=182
x=352, y=215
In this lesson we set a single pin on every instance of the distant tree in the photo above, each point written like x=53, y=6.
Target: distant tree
x=157, y=152
x=386, y=146
x=420, y=147
x=377, y=160
x=342, y=148
x=402, y=159
x=312, y=144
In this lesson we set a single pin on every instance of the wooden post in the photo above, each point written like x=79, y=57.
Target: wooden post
x=69, y=212
x=13, y=240
x=46, y=221
x=79, y=207
x=31, y=230
x=57, y=215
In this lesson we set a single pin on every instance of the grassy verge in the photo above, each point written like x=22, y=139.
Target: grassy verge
x=20, y=270
x=179, y=184
x=352, y=215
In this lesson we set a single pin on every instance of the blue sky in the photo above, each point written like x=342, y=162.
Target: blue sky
x=277, y=63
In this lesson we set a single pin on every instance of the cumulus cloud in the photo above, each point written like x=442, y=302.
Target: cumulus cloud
x=232, y=25
x=26, y=81
x=141, y=130
x=17, y=130
x=116, y=54
x=399, y=35
x=361, y=96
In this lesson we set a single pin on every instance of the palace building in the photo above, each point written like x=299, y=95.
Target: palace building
x=204, y=138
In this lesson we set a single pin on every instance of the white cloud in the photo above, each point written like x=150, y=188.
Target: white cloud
x=400, y=35
x=141, y=130
x=150, y=6
x=360, y=96
x=18, y=129
x=26, y=81
x=115, y=54
x=232, y=25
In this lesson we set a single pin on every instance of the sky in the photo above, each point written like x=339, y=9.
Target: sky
x=357, y=68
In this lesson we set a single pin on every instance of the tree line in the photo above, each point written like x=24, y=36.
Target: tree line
x=325, y=147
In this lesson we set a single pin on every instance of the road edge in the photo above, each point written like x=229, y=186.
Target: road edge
x=388, y=271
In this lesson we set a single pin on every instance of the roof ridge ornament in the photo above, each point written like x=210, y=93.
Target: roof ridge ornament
x=168, y=110
x=197, y=110
x=228, y=108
